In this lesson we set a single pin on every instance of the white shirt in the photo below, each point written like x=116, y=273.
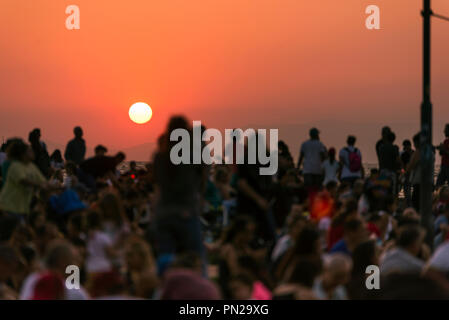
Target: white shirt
x=440, y=258
x=344, y=158
x=312, y=151
x=330, y=171
x=97, y=260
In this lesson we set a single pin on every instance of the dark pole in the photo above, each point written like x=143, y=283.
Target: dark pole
x=426, y=156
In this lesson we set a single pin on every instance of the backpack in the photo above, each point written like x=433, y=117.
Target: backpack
x=355, y=160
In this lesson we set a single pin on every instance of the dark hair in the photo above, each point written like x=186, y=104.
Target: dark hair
x=363, y=256
x=17, y=149
x=351, y=140
x=409, y=235
x=120, y=156
x=391, y=137
x=306, y=270
x=417, y=139
x=78, y=132
x=352, y=225
x=56, y=156
x=305, y=243
x=406, y=143
x=100, y=148
x=400, y=286
x=93, y=220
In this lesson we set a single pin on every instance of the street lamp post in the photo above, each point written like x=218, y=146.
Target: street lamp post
x=426, y=149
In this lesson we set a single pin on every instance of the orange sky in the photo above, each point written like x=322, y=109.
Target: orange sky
x=230, y=63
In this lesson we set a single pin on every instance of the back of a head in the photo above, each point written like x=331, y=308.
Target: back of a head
x=306, y=241
x=409, y=235
x=404, y=286
x=120, y=156
x=417, y=139
x=351, y=140
x=100, y=149
x=177, y=122
x=17, y=149
x=59, y=253
x=385, y=131
x=314, y=133
x=337, y=263
x=406, y=143
x=306, y=270
x=78, y=132
x=363, y=256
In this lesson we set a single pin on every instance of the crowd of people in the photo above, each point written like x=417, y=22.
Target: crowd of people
x=221, y=231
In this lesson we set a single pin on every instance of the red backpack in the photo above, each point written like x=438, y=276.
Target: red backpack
x=355, y=160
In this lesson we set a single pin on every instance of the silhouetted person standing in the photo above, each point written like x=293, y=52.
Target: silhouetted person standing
x=76, y=148
x=312, y=154
x=41, y=156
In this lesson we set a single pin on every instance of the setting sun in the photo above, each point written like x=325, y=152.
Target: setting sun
x=140, y=112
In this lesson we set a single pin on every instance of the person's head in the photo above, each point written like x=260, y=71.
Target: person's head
x=416, y=140
x=78, y=132
x=49, y=286
x=411, y=238
x=331, y=153
x=385, y=132
x=56, y=156
x=59, y=255
x=407, y=144
x=354, y=231
x=351, y=140
x=34, y=135
x=365, y=254
x=446, y=130
x=138, y=255
x=112, y=209
x=100, y=150
x=20, y=151
x=307, y=243
x=120, y=157
x=132, y=165
x=314, y=134
x=411, y=286
x=336, y=270
x=305, y=271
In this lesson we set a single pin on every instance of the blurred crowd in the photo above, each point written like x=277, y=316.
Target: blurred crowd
x=317, y=229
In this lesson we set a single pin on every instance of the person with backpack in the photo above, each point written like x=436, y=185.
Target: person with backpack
x=351, y=162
